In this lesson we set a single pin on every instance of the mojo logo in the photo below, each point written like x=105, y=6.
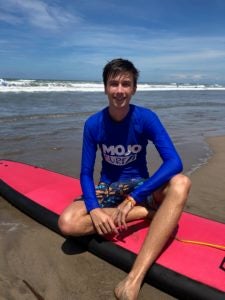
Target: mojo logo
x=119, y=155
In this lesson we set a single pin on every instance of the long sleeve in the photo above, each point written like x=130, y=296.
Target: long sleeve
x=89, y=149
x=171, y=162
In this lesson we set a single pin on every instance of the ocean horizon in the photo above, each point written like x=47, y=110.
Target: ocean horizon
x=45, y=85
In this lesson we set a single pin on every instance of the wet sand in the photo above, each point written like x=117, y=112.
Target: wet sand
x=34, y=264
x=207, y=196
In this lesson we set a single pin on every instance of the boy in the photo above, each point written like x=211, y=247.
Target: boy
x=125, y=191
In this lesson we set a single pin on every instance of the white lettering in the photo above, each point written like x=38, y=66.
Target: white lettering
x=121, y=150
x=119, y=155
x=136, y=148
x=121, y=160
x=109, y=149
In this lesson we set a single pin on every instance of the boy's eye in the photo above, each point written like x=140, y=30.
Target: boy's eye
x=126, y=84
x=114, y=83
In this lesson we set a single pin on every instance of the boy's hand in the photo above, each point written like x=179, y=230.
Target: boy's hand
x=103, y=223
x=121, y=213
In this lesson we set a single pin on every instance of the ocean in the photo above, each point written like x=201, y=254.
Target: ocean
x=41, y=121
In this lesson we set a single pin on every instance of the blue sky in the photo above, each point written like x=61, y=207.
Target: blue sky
x=168, y=40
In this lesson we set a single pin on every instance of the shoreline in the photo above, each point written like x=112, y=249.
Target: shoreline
x=208, y=185
x=35, y=266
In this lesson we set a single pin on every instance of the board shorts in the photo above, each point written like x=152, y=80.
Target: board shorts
x=111, y=195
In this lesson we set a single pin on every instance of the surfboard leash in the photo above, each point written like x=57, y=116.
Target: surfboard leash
x=221, y=247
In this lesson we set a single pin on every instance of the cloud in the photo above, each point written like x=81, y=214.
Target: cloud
x=188, y=76
x=145, y=46
x=37, y=13
x=9, y=18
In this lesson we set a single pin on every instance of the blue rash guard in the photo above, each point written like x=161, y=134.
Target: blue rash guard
x=123, y=148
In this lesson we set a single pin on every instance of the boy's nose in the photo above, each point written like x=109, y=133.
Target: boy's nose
x=120, y=88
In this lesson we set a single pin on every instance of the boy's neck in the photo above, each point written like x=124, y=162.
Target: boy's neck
x=118, y=114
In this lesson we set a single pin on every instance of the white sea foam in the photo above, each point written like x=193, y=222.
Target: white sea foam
x=22, y=85
x=49, y=86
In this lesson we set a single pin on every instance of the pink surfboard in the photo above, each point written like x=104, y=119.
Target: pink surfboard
x=192, y=265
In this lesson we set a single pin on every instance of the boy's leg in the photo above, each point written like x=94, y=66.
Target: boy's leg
x=75, y=221
x=173, y=198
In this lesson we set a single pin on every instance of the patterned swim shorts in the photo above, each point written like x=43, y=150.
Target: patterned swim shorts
x=111, y=195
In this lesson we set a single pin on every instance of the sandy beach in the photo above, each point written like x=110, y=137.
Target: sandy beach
x=34, y=266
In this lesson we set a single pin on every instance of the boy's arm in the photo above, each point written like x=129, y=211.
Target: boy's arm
x=103, y=223
x=171, y=162
x=89, y=149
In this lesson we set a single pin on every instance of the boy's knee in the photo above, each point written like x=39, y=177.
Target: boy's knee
x=64, y=224
x=70, y=220
x=181, y=185
x=181, y=182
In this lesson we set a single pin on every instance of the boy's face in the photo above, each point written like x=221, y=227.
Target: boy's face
x=120, y=90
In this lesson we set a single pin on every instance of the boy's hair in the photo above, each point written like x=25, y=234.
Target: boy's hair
x=117, y=66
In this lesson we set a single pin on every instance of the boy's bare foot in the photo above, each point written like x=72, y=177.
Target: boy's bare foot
x=127, y=290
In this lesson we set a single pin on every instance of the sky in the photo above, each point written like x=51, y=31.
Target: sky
x=167, y=40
